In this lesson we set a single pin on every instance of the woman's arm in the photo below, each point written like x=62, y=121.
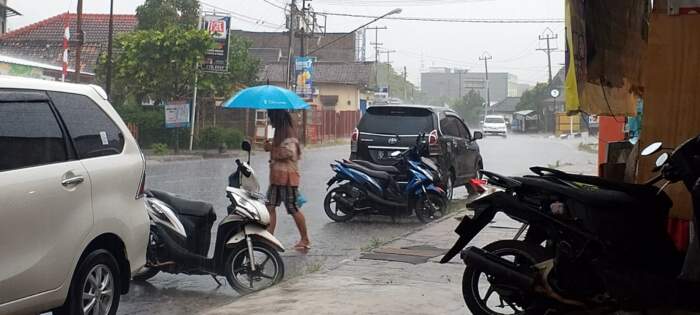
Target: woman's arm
x=287, y=150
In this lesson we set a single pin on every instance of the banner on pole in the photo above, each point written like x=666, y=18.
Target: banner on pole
x=177, y=115
x=303, y=72
x=216, y=58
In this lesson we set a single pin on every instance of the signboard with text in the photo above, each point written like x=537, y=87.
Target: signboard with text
x=177, y=115
x=216, y=58
x=303, y=72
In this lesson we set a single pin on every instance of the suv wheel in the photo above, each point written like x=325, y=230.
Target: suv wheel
x=95, y=288
x=450, y=185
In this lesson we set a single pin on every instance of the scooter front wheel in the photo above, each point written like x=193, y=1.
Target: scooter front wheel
x=334, y=208
x=268, y=271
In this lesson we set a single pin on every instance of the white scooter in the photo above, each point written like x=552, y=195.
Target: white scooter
x=244, y=252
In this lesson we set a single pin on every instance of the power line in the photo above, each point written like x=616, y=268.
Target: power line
x=451, y=20
x=245, y=18
x=548, y=36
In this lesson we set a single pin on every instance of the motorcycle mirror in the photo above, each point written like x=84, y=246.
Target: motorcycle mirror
x=652, y=148
x=395, y=153
x=662, y=160
x=245, y=146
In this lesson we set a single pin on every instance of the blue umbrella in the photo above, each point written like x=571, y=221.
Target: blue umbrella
x=266, y=97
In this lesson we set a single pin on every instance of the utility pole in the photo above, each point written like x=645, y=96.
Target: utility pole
x=548, y=36
x=405, y=84
x=290, y=55
x=81, y=39
x=376, y=45
x=108, y=83
x=388, y=55
x=303, y=54
x=486, y=57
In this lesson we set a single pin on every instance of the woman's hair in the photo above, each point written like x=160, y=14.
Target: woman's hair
x=282, y=121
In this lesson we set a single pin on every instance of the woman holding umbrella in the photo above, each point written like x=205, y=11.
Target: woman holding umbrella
x=285, y=153
x=284, y=149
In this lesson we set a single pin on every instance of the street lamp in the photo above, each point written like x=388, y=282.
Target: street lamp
x=392, y=12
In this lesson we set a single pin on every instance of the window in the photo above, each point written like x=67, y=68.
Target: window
x=463, y=130
x=29, y=135
x=450, y=126
x=396, y=120
x=93, y=132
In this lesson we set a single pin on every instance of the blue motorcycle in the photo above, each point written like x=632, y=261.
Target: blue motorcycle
x=410, y=186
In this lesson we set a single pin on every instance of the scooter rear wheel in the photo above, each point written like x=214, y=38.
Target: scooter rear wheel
x=333, y=209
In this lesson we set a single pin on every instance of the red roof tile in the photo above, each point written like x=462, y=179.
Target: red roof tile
x=43, y=40
x=95, y=27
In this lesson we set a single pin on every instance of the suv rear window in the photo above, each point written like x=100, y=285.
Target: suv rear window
x=396, y=120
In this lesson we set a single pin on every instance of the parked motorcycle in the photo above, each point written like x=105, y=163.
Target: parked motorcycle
x=401, y=190
x=244, y=252
x=591, y=244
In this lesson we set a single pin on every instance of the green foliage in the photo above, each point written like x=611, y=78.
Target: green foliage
x=470, y=107
x=397, y=85
x=160, y=148
x=532, y=99
x=163, y=14
x=214, y=137
x=150, y=121
x=158, y=64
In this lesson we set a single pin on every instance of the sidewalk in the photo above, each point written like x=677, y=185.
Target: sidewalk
x=364, y=286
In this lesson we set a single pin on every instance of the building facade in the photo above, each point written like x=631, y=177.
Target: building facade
x=447, y=83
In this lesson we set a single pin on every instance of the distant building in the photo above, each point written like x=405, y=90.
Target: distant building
x=505, y=108
x=43, y=41
x=5, y=12
x=338, y=86
x=450, y=83
x=272, y=47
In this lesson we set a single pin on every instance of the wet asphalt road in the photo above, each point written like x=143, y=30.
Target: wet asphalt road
x=332, y=242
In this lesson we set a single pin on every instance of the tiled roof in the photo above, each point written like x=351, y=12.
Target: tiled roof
x=43, y=40
x=507, y=105
x=355, y=73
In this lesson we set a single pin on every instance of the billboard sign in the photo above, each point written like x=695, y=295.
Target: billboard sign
x=177, y=115
x=216, y=58
x=303, y=72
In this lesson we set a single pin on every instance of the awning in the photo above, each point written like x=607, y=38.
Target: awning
x=9, y=11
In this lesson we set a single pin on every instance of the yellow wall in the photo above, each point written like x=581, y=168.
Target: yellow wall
x=346, y=93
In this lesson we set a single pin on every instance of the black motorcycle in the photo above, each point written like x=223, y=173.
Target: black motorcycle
x=410, y=186
x=591, y=244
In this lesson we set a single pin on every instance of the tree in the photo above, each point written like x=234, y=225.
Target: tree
x=532, y=99
x=163, y=14
x=470, y=107
x=157, y=64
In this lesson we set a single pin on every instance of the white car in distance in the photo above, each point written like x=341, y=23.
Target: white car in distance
x=495, y=125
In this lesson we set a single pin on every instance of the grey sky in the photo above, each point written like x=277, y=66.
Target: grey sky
x=441, y=44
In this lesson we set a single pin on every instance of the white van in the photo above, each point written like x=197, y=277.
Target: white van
x=73, y=224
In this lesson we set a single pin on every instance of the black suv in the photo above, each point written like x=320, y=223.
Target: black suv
x=387, y=128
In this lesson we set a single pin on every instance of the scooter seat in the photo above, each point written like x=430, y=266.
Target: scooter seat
x=381, y=175
x=184, y=206
x=377, y=167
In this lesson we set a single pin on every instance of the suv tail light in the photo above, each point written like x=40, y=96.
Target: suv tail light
x=433, y=138
x=141, y=191
x=433, y=144
x=353, y=140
